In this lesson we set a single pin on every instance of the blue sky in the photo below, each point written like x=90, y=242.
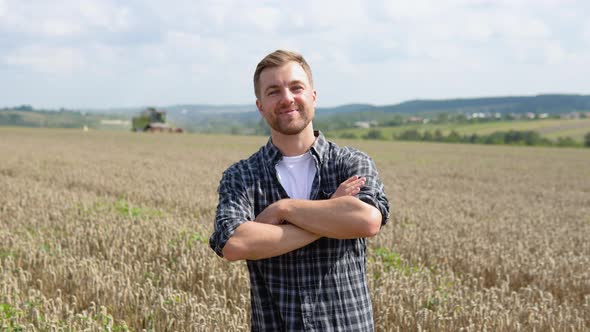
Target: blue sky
x=108, y=53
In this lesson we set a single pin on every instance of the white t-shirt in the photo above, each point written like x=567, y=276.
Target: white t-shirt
x=296, y=174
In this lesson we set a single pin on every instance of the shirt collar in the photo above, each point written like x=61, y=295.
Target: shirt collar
x=318, y=149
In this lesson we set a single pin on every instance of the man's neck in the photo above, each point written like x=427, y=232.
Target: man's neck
x=294, y=145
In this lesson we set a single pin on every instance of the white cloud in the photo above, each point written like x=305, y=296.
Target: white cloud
x=586, y=33
x=68, y=18
x=360, y=50
x=266, y=19
x=521, y=26
x=417, y=9
x=554, y=53
x=340, y=15
x=55, y=60
x=103, y=15
x=52, y=27
x=183, y=40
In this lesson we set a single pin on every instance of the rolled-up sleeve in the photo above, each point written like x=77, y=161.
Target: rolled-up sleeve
x=372, y=192
x=234, y=208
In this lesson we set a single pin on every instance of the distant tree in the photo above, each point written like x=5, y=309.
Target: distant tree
x=24, y=108
x=428, y=136
x=262, y=128
x=235, y=130
x=410, y=135
x=566, y=142
x=12, y=119
x=374, y=134
x=514, y=137
x=495, y=138
x=532, y=138
x=397, y=120
x=438, y=135
x=461, y=118
x=442, y=118
x=348, y=135
x=453, y=137
x=587, y=140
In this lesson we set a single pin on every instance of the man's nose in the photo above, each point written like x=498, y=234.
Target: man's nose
x=287, y=97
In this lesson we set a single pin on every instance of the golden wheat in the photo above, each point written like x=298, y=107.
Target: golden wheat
x=108, y=231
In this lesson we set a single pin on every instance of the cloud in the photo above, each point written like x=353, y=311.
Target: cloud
x=55, y=60
x=2, y=8
x=266, y=19
x=399, y=49
x=586, y=32
x=99, y=14
x=417, y=9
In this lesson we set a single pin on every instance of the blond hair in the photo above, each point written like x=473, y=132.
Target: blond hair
x=277, y=59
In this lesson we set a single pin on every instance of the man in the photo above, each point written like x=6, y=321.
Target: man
x=298, y=211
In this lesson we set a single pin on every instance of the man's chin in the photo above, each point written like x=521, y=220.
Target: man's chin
x=291, y=131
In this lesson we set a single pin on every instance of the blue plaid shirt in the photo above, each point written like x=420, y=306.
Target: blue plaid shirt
x=319, y=287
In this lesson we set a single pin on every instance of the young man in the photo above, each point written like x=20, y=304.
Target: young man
x=298, y=211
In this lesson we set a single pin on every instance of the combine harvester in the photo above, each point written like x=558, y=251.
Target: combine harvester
x=152, y=120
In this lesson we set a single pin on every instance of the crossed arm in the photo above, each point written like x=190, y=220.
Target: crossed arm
x=343, y=217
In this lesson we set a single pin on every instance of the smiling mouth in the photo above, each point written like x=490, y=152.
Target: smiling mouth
x=287, y=112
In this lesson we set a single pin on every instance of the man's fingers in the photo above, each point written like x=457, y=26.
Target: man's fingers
x=354, y=189
x=350, y=179
x=357, y=183
x=350, y=187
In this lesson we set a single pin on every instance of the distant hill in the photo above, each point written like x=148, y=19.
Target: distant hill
x=26, y=116
x=245, y=118
x=188, y=110
x=349, y=108
x=547, y=103
x=544, y=103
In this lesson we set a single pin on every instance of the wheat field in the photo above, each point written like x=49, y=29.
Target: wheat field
x=108, y=231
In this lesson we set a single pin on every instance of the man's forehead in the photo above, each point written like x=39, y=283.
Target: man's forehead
x=289, y=72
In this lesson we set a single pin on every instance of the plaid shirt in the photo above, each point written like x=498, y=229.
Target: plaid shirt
x=319, y=287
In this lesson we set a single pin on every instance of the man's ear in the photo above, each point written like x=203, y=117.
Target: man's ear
x=259, y=106
x=315, y=96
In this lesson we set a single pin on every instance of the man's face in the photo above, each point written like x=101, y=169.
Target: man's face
x=287, y=99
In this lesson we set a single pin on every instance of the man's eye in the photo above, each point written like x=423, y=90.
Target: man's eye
x=272, y=92
x=297, y=88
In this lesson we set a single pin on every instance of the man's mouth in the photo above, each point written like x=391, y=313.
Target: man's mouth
x=286, y=112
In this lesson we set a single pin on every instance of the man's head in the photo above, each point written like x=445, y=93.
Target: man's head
x=279, y=58
x=284, y=93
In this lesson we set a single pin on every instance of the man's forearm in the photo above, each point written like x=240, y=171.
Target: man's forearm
x=254, y=240
x=341, y=218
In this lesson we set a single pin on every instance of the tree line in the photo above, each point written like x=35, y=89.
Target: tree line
x=511, y=137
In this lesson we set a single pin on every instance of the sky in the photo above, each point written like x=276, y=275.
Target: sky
x=81, y=54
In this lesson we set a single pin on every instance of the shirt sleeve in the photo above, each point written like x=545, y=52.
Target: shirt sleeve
x=372, y=192
x=234, y=208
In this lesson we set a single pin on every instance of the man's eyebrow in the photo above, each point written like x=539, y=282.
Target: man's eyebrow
x=274, y=86
x=296, y=82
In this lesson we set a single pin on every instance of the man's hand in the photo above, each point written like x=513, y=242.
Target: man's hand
x=350, y=187
x=272, y=215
